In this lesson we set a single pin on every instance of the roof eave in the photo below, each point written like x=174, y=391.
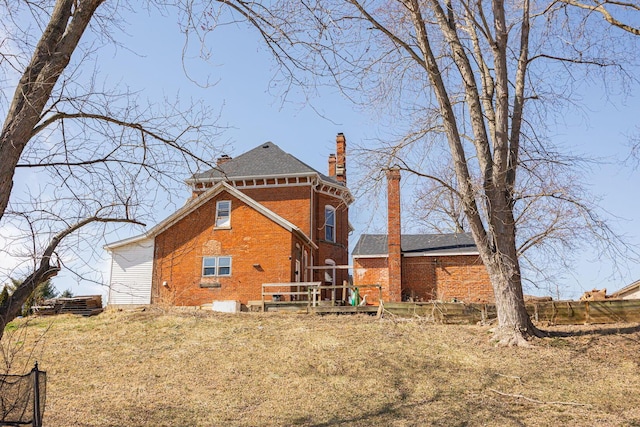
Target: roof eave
x=370, y=256
x=245, y=177
x=129, y=240
x=627, y=288
x=438, y=253
x=419, y=254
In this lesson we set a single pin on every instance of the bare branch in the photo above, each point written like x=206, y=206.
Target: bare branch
x=48, y=267
x=599, y=7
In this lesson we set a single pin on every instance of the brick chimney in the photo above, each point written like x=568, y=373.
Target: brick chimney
x=394, y=233
x=223, y=159
x=341, y=162
x=332, y=165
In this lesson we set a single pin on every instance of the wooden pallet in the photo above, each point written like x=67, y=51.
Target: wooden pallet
x=83, y=306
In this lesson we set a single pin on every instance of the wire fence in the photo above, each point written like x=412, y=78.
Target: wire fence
x=22, y=398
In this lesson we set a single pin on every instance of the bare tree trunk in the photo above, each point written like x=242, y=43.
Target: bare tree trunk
x=12, y=306
x=68, y=22
x=514, y=324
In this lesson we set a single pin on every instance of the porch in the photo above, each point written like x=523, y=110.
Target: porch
x=314, y=297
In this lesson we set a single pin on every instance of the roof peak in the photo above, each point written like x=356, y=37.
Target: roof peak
x=266, y=159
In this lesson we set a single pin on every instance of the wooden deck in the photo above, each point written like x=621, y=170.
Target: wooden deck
x=304, y=307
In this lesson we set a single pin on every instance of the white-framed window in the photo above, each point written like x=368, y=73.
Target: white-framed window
x=216, y=266
x=223, y=213
x=330, y=273
x=329, y=223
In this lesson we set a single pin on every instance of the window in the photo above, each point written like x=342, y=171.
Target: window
x=330, y=223
x=223, y=213
x=224, y=266
x=330, y=273
x=216, y=266
x=208, y=266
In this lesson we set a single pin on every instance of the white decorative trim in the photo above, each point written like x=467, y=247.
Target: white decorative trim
x=369, y=256
x=290, y=180
x=436, y=253
x=419, y=254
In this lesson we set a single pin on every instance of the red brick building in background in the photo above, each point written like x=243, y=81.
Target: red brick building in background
x=419, y=267
x=263, y=217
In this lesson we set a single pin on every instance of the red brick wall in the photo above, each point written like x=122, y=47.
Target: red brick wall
x=445, y=278
x=371, y=271
x=291, y=203
x=252, y=239
x=464, y=278
x=418, y=279
x=337, y=251
x=295, y=205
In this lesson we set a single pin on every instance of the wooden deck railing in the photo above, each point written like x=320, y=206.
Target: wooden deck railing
x=307, y=293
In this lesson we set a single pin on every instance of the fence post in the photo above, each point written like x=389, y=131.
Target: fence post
x=37, y=422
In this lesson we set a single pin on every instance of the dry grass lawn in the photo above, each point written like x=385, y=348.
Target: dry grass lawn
x=197, y=368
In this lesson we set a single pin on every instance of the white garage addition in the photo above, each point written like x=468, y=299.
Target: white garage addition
x=131, y=272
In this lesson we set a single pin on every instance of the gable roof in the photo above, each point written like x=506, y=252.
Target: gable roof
x=627, y=289
x=194, y=204
x=265, y=160
x=375, y=245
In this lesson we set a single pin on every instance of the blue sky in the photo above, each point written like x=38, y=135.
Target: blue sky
x=253, y=114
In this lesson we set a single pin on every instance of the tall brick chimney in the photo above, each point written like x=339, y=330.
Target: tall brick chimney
x=394, y=233
x=341, y=161
x=332, y=165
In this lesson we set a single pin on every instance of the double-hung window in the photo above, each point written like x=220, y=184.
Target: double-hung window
x=223, y=213
x=329, y=223
x=216, y=266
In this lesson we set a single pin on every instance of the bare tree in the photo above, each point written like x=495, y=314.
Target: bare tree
x=460, y=75
x=554, y=213
x=77, y=156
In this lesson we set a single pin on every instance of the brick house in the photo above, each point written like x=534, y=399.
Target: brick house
x=262, y=217
x=419, y=267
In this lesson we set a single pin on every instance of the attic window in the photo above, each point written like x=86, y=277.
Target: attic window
x=223, y=213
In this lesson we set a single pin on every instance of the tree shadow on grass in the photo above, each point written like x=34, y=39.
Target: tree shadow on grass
x=604, y=330
x=389, y=412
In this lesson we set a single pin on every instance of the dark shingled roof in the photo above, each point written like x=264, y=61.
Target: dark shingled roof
x=265, y=160
x=376, y=244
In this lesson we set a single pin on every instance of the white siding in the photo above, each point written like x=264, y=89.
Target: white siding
x=131, y=270
x=631, y=294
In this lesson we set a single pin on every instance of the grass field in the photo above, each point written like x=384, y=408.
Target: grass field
x=197, y=368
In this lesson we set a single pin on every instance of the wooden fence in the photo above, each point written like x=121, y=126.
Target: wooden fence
x=581, y=312
x=548, y=313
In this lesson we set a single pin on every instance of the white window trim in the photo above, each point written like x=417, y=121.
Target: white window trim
x=227, y=223
x=216, y=267
x=327, y=225
x=330, y=273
